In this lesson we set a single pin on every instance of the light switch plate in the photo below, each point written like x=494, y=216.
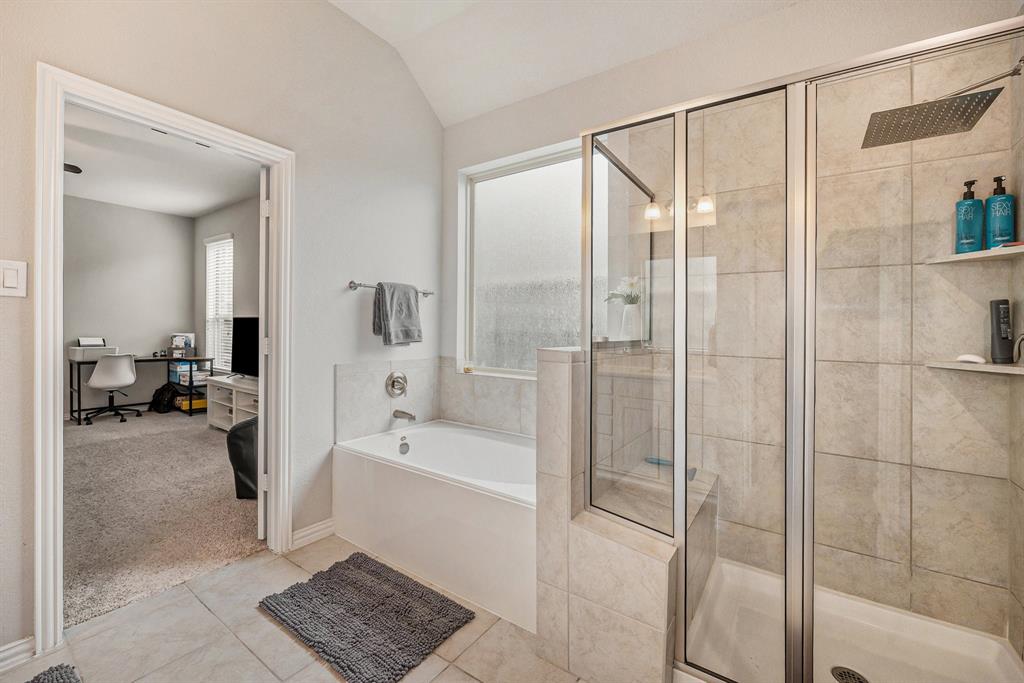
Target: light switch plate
x=13, y=278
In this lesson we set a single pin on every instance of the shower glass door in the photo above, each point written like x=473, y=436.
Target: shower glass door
x=918, y=505
x=736, y=389
x=631, y=322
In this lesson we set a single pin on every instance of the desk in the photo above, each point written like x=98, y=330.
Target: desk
x=75, y=389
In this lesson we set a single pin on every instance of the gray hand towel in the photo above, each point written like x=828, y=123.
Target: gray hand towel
x=396, y=313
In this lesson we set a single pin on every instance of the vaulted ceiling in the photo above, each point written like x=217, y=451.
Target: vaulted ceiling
x=473, y=56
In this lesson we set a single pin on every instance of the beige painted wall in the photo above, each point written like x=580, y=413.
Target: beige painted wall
x=127, y=278
x=242, y=220
x=299, y=74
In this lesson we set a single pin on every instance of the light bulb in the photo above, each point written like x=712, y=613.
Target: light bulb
x=652, y=212
x=705, y=204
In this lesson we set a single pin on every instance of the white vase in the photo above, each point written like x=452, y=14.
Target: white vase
x=630, y=322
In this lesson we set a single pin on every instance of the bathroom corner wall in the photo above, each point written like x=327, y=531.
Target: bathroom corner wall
x=605, y=592
x=362, y=406
x=505, y=403
x=912, y=468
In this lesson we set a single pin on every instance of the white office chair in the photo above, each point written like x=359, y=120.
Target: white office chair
x=112, y=373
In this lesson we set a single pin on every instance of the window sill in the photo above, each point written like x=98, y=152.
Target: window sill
x=503, y=374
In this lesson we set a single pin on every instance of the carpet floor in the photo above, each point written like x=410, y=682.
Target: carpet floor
x=148, y=504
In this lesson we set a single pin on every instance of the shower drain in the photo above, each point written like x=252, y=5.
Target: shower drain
x=844, y=675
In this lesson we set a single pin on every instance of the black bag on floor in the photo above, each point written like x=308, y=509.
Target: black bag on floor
x=163, y=399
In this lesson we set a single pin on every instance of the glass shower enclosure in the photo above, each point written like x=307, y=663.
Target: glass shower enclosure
x=777, y=307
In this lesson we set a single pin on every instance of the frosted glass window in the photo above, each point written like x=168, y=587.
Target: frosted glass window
x=524, y=266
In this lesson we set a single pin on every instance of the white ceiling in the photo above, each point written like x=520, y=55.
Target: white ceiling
x=132, y=165
x=473, y=56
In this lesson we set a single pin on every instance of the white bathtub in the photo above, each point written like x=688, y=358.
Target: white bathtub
x=459, y=509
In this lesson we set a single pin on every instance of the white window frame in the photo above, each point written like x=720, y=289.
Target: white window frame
x=214, y=241
x=468, y=178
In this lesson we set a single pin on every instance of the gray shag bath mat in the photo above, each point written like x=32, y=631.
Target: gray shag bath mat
x=62, y=673
x=369, y=622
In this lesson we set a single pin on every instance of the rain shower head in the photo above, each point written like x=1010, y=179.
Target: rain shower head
x=957, y=112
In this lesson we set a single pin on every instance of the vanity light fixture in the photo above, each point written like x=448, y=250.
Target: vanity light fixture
x=652, y=212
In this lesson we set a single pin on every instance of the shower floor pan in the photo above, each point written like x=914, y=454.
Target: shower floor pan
x=738, y=632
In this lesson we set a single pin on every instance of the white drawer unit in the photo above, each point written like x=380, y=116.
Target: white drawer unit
x=231, y=400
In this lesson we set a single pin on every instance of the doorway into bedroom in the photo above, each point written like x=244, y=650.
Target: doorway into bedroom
x=163, y=270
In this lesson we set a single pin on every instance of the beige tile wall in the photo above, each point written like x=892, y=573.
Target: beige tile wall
x=912, y=474
x=736, y=326
x=505, y=403
x=436, y=391
x=605, y=592
x=362, y=405
x=1015, y=453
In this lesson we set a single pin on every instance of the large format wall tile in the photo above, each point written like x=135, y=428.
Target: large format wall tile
x=553, y=530
x=553, y=437
x=744, y=398
x=749, y=234
x=960, y=525
x=864, y=219
x=618, y=577
x=843, y=111
x=968, y=603
x=1016, y=524
x=863, y=410
x=750, y=314
x=607, y=647
x=863, y=314
x=935, y=77
x=951, y=308
x=361, y=403
x=961, y=421
x=862, y=575
x=756, y=547
x=752, y=480
x=553, y=624
x=862, y=506
x=937, y=188
x=745, y=144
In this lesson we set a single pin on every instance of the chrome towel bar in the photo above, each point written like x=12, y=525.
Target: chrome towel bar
x=352, y=284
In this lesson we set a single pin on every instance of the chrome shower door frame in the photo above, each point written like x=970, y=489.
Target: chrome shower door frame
x=801, y=144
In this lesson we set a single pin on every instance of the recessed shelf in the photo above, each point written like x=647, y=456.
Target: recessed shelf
x=992, y=369
x=998, y=254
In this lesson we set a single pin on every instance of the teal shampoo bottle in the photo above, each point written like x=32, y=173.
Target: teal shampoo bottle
x=970, y=221
x=1000, y=222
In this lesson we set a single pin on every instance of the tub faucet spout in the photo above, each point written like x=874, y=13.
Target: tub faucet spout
x=403, y=415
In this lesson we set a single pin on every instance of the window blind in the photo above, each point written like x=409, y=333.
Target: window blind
x=220, y=257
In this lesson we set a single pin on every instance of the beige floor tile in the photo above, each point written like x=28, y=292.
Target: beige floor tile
x=135, y=647
x=37, y=665
x=233, y=595
x=468, y=634
x=130, y=612
x=454, y=674
x=316, y=672
x=505, y=655
x=428, y=670
x=224, y=659
x=318, y=556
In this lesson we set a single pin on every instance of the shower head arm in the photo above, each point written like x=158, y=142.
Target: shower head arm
x=1015, y=71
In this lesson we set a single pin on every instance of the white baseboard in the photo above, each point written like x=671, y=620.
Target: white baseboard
x=311, y=533
x=16, y=653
